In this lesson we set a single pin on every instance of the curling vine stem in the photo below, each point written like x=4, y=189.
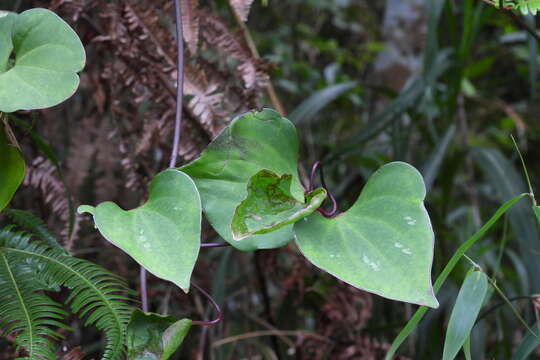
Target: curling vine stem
x=318, y=166
x=216, y=306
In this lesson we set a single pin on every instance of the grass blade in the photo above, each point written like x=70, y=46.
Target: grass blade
x=528, y=345
x=503, y=176
x=433, y=164
x=318, y=100
x=468, y=304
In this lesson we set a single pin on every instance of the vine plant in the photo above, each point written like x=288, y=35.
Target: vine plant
x=245, y=183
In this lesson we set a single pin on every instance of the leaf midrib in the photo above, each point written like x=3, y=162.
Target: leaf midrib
x=30, y=51
x=89, y=283
x=22, y=302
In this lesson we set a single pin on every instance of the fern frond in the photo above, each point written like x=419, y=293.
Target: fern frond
x=33, y=225
x=96, y=294
x=528, y=6
x=190, y=24
x=524, y=6
x=25, y=311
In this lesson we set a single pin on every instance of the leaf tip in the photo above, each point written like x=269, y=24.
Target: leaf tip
x=431, y=301
x=82, y=209
x=238, y=236
x=184, y=288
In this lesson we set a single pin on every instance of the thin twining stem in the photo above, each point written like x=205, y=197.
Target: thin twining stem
x=214, y=245
x=177, y=122
x=179, y=82
x=144, y=292
x=318, y=166
x=214, y=303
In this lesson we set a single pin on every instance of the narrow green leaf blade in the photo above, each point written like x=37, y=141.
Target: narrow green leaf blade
x=155, y=337
x=383, y=244
x=432, y=166
x=528, y=344
x=508, y=182
x=163, y=235
x=11, y=169
x=318, y=100
x=253, y=141
x=269, y=205
x=49, y=54
x=536, y=210
x=468, y=304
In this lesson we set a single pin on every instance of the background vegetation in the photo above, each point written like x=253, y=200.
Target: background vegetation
x=439, y=84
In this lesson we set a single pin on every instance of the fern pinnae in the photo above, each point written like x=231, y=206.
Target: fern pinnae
x=26, y=313
x=4, y=266
x=95, y=293
x=34, y=225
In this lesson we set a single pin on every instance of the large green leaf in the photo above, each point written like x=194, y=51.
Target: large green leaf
x=154, y=336
x=383, y=243
x=270, y=206
x=468, y=304
x=11, y=169
x=48, y=55
x=163, y=235
x=254, y=141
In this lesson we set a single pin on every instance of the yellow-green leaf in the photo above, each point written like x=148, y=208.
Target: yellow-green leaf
x=269, y=205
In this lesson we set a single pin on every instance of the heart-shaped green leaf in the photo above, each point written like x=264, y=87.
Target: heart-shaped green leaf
x=383, y=243
x=163, y=235
x=153, y=336
x=252, y=142
x=468, y=304
x=269, y=205
x=47, y=56
x=11, y=169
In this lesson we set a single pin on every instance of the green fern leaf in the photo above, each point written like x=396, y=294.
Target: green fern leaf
x=529, y=6
x=524, y=6
x=25, y=311
x=96, y=294
x=34, y=225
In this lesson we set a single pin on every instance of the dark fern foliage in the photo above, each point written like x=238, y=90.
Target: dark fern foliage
x=29, y=266
x=33, y=225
